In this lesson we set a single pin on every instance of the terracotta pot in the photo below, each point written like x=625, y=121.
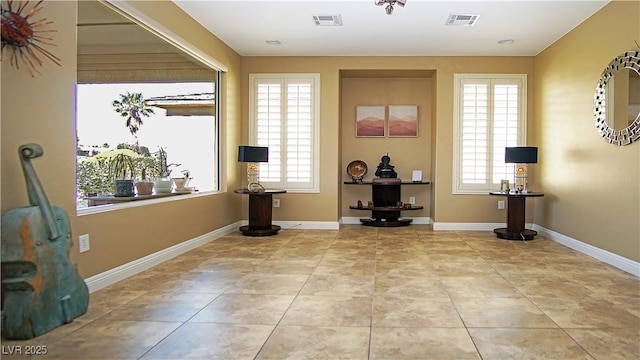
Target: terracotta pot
x=144, y=187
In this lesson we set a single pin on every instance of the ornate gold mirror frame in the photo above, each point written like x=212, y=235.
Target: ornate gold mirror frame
x=628, y=60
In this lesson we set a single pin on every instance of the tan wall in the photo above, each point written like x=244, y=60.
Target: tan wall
x=327, y=205
x=41, y=110
x=592, y=188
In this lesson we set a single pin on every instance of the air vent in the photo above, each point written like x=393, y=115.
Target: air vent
x=462, y=20
x=327, y=20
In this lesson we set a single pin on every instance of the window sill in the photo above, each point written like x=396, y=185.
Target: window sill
x=131, y=204
x=473, y=192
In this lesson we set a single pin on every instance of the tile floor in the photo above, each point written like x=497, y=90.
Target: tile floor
x=361, y=293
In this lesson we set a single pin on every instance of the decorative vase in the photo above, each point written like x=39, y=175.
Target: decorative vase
x=124, y=188
x=162, y=185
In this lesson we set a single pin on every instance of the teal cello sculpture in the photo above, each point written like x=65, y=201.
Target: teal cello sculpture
x=41, y=288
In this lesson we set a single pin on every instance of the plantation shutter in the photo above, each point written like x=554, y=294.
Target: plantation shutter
x=475, y=112
x=490, y=117
x=506, y=125
x=299, y=133
x=269, y=129
x=285, y=119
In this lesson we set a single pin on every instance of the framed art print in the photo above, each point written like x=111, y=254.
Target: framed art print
x=403, y=120
x=370, y=121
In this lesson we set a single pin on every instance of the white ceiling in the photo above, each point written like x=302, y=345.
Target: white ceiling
x=416, y=29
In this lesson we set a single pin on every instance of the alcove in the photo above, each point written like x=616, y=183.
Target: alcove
x=407, y=152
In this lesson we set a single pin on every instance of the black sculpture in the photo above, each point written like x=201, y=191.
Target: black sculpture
x=385, y=170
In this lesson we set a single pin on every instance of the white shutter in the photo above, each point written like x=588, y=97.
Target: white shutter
x=475, y=109
x=489, y=115
x=506, y=128
x=268, y=119
x=299, y=139
x=284, y=116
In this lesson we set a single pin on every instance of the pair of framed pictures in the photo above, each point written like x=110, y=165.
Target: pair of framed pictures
x=371, y=121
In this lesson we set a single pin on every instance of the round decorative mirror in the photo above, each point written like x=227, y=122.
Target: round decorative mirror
x=617, y=100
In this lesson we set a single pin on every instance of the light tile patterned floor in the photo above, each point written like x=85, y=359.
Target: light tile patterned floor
x=361, y=293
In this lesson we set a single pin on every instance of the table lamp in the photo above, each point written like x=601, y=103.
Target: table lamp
x=521, y=156
x=253, y=155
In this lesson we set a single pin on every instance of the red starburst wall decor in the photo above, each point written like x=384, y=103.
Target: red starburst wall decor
x=23, y=35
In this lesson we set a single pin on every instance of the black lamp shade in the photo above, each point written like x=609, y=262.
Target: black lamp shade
x=521, y=155
x=253, y=154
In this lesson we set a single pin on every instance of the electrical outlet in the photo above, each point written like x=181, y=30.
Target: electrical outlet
x=501, y=205
x=83, y=243
x=276, y=202
x=412, y=200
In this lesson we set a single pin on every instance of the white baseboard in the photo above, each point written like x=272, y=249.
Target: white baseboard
x=122, y=272
x=349, y=220
x=308, y=225
x=622, y=263
x=449, y=226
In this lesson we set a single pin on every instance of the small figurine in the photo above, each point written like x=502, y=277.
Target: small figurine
x=385, y=170
x=359, y=204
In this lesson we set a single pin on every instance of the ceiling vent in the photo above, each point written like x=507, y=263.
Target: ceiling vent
x=462, y=20
x=327, y=20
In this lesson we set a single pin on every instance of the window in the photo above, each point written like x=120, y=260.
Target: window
x=489, y=115
x=183, y=123
x=145, y=95
x=284, y=116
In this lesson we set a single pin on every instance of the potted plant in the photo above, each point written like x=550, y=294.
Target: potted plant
x=163, y=182
x=144, y=186
x=121, y=169
x=181, y=184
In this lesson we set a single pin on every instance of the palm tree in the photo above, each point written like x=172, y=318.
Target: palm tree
x=133, y=107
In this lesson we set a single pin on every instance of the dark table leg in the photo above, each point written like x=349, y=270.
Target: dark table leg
x=260, y=216
x=515, y=221
x=385, y=196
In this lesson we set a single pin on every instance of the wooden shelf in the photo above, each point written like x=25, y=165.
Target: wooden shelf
x=387, y=208
x=385, y=196
x=368, y=182
x=386, y=223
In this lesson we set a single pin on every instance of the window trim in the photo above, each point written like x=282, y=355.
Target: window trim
x=254, y=79
x=458, y=81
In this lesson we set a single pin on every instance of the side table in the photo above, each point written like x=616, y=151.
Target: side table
x=260, y=204
x=515, y=216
